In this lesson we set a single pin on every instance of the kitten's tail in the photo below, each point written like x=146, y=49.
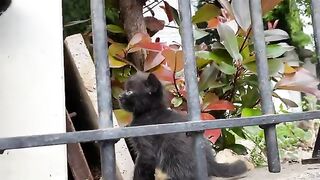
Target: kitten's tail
x=226, y=169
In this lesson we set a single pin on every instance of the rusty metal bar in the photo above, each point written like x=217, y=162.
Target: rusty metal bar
x=264, y=85
x=107, y=151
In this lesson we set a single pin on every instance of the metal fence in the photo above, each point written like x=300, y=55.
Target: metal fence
x=107, y=135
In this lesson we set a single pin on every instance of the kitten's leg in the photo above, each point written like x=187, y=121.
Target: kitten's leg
x=144, y=169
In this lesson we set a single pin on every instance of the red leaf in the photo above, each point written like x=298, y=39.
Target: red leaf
x=168, y=9
x=211, y=134
x=213, y=23
x=220, y=105
x=139, y=38
x=153, y=59
x=174, y=59
x=154, y=24
x=151, y=46
x=302, y=80
x=164, y=73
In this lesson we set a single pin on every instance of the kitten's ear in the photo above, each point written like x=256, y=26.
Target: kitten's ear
x=153, y=83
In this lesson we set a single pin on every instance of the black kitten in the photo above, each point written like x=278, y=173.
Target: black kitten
x=4, y=4
x=170, y=154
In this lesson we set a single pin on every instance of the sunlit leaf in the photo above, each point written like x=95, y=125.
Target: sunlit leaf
x=153, y=59
x=176, y=101
x=222, y=60
x=198, y=34
x=123, y=117
x=248, y=112
x=241, y=12
x=116, y=50
x=114, y=28
x=275, y=35
x=274, y=66
x=302, y=80
x=288, y=69
x=229, y=40
x=205, y=13
x=276, y=50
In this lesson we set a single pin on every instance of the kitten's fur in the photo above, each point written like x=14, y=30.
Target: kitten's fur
x=172, y=154
x=4, y=4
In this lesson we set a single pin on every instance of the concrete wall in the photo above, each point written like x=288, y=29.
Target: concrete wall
x=32, y=87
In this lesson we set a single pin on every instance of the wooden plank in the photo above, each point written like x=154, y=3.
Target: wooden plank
x=82, y=62
x=76, y=159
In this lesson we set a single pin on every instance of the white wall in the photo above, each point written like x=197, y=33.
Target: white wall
x=32, y=87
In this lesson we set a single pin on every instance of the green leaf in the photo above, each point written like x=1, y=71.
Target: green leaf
x=274, y=66
x=228, y=138
x=198, y=33
x=248, y=112
x=176, y=101
x=208, y=75
x=205, y=13
x=239, y=149
x=116, y=91
x=229, y=40
x=250, y=98
x=276, y=50
x=239, y=131
x=123, y=117
x=221, y=58
x=275, y=35
x=114, y=28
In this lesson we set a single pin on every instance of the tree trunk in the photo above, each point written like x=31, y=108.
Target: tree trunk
x=132, y=16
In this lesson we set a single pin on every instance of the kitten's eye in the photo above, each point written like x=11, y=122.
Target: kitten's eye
x=128, y=93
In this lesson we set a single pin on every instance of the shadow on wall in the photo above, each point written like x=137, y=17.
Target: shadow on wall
x=4, y=4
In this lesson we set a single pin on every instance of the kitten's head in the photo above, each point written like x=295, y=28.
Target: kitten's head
x=143, y=92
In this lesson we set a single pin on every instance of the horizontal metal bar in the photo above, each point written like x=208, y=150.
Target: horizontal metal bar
x=116, y=133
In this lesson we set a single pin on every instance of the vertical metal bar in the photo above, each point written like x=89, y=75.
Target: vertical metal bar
x=103, y=86
x=315, y=8
x=264, y=84
x=192, y=85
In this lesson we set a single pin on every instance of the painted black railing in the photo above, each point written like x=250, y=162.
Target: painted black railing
x=107, y=135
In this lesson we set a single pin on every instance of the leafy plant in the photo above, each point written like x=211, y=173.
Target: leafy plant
x=226, y=69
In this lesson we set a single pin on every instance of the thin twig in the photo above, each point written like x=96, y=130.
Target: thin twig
x=149, y=8
x=174, y=78
x=245, y=40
